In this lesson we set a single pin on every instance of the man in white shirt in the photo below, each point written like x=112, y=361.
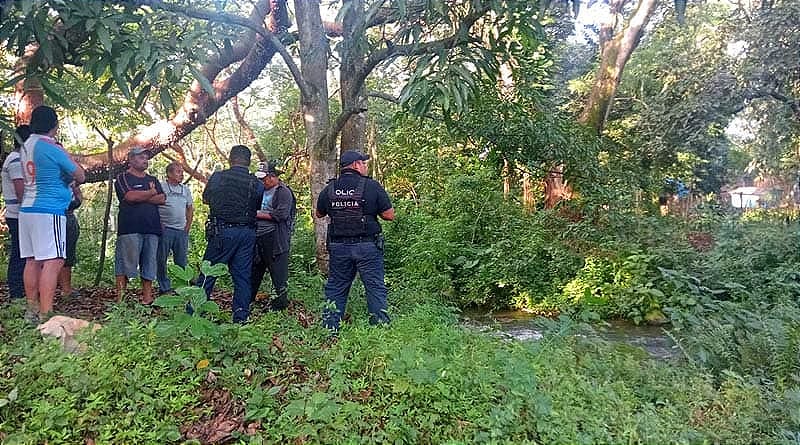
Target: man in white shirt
x=176, y=221
x=13, y=182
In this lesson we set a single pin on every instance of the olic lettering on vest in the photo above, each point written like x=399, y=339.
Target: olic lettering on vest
x=347, y=214
x=348, y=202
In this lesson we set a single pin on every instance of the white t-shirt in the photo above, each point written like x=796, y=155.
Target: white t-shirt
x=12, y=169
x=173, y=212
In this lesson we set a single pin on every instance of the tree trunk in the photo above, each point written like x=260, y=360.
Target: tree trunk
x=615, y=51
x=528, y=202
x=616, y=47
x=106, y=214
x=353, y=96
x=314, y=104
x=28, y=92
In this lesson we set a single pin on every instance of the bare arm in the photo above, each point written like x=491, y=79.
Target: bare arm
x=387, y=215
x=19, y=188
x=189, y=217
x=143, y=195
x=158, y=199
x=139, y=196
x=79, y=175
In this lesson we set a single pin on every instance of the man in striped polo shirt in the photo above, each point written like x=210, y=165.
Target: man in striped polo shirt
x=13, y=187
x=48, y=171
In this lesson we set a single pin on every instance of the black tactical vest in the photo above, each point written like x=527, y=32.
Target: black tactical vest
x=232, y=201
x=347, y=210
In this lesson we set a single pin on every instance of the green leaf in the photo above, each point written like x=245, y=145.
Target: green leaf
x=12, y=81
x=106, y=85
x=166, y=100
x=52, y=93
x=121, y=83
x=105, y=39
x=99, y=67
x=137, y=79
x=217, y=270
x=191, y=292
x=168, y=301
x=204, y=82
x=210, y=307
x=179, y=272
x=51, y=367
x=142, y=95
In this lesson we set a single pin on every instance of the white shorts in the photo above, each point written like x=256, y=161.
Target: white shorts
x=42, y=236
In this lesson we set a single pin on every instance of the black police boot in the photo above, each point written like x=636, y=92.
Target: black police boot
x=280, y=302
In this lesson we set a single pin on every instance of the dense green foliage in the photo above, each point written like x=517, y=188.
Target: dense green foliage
x=424, y=380
x=471, y=232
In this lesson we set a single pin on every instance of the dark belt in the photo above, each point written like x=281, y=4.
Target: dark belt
x=353, y=239
x=225, y=225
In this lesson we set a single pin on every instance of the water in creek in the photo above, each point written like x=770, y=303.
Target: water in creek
x=522, y=326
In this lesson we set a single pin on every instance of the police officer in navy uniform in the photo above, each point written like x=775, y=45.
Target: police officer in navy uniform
x=355, y=243
x=234, y=197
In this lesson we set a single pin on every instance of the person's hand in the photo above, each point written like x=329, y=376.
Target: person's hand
x=187, y=228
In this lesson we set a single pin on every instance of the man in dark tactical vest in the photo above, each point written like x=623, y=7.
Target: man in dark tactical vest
x=355, y=243
x=233, y=197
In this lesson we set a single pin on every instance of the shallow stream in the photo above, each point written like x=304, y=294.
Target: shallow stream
x=522, y=326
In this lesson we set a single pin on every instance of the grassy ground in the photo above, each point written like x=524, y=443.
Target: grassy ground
x=424, y=379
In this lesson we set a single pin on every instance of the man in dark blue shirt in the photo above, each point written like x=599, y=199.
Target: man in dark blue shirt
x=355, y=243
x=233, y=197
x=138, y=224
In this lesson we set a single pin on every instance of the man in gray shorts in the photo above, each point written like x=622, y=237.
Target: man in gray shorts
x=138, y=224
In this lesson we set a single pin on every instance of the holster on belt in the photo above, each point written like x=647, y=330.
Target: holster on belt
x=212, y=228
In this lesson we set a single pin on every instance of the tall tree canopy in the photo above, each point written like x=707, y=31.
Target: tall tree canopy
x=152, y=52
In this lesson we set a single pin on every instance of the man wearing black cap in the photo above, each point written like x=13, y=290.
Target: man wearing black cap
x=138, y=224
x=274, y=226
x=233, y=197
x=355, y=243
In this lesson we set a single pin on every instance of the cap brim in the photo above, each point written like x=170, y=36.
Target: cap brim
x=260, y=175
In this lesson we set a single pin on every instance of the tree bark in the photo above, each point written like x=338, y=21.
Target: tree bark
x=28, y=92
x=615, y=51
x=316, y=114
x=616, y=48
x=352, y=92
x=107, y=213
x=254, y=51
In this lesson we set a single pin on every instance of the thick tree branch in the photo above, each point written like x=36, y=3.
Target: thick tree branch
x=385, y=96
x=248, y=131
x=459, y=37
x=198, y=104
x=253, y=24
x=339, y=123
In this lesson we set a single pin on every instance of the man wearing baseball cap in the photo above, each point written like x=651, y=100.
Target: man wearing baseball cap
x=354, y=202
x=138, y=224
x=274, y=226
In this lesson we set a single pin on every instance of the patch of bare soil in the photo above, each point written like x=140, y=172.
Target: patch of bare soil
x=701, y=241
x=220, y=416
